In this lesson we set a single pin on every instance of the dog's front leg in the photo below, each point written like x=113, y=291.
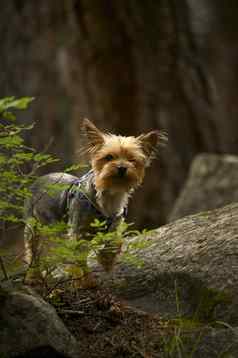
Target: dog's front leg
x=78, y=269
x=107, y=256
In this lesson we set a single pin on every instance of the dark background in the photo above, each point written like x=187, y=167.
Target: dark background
x=130, y=66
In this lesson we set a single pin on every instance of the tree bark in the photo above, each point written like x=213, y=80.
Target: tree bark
x=31, y=35
x=164, y=65
x=129, y=67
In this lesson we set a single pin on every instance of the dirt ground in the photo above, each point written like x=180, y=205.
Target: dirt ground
x=109, y=328
x=106, y=327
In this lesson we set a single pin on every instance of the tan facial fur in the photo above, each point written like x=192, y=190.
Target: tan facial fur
x=118, y=152
x=111, y=152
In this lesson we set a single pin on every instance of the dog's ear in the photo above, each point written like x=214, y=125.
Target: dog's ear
x=150, y=142
x=94, y=137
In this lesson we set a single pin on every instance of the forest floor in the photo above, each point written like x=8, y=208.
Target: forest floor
x=109, y=328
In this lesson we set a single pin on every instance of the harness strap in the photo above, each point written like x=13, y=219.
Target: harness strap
x=75, y=190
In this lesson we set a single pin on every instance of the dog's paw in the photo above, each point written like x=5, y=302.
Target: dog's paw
x=33, y=277
x=89, y=281
x=82, y=279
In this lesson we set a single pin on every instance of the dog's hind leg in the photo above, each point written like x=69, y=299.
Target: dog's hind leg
x=32, y=255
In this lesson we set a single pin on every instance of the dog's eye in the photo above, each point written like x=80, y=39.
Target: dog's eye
x=108, y=157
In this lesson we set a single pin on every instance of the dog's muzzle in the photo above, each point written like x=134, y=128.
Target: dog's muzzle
x=121, y=171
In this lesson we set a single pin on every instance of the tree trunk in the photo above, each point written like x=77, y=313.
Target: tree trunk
x=31, y=36
x=129, y=67
x=165, y=65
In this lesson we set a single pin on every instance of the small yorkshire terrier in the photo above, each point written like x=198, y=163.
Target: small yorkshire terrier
x=117, y=168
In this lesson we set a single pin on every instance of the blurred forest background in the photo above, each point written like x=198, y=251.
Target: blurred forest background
x=129, y=66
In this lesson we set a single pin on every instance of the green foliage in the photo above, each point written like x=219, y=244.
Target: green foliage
x=77, y=251
x=18, y=163
x=185, y=336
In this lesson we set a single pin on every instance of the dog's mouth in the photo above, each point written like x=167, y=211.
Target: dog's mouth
x=122, y=179
x=125, y=180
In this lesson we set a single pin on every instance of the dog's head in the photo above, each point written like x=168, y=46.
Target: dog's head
x=119, y=162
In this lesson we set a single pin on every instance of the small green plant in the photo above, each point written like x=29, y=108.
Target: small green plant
x=19, y=165
x=186, y=333
x=62, y=252
x=183, y=335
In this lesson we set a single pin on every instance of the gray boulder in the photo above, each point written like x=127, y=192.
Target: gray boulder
x=190, y=271
x=28, y=323
x=212, y=183
x=192, y=263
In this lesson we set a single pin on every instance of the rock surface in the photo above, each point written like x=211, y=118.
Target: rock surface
x=28, y=323
x=218, y=343
x=190, y=271
x=190, y=268
x=212, y=183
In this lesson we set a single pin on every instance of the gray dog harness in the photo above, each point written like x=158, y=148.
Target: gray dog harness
x=88, y=206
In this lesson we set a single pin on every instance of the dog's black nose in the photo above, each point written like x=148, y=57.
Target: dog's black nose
x=121, y=171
